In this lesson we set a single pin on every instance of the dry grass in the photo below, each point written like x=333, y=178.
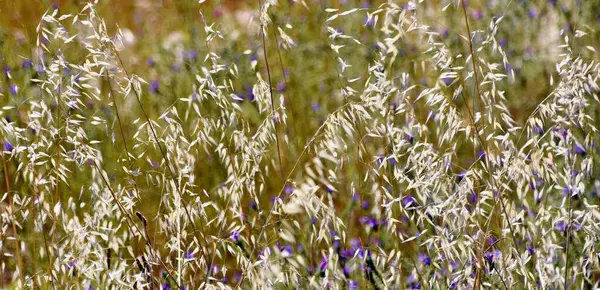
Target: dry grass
x=300, y=144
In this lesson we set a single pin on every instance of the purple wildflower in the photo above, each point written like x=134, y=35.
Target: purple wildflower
x=365, y=204
x=150, y=62
x=8, y=146
x=287, y=251
x=537, y=184
x=361, y=253
x=214, y=270
x=346, y=253
x=472, y=197
x=368, y=221
x=235, y=236
x=315, y=106
x=532, y=13
x=352, y=285
x=408, y=201
x=154, y=86
x=414, y=285
x=424, y=259
x=461, y=175
x=189, y=255
x=562, y=132
x=481, y=154
x=280, y=86
x=530, y=249
x=13, y=89
x=580, y=150
x=454, y=264
x=166, y=286
x=26, y=64
x=250, y=95
x=253, y=205
x=191, y=55
x=503, y=42
x=380, y=159
x=274, y=198
x=289, y=189
x=355, y=243
x=324, y=263
x=444, y=33
x=237, y=276
x=447, y=81
x=567, y=190
x=336, y=244
x=561, y=226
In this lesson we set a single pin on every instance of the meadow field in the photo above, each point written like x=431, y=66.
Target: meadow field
x=299, y=144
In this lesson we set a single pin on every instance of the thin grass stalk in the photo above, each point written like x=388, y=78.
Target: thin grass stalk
x=164, y=155
x=130, y=222
x=11, y=209
x=276, y=124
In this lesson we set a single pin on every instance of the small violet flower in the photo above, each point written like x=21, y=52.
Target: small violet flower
x=26, y=64
x=13, y=89
x=561, y=226
x=154, y=86
x=315, y=106
x=532, y=13
x=324, y=263
x=580, y=150
x=425, y=260
x=235, y=236
x=280, y=86
x=7, y=146
x=472, y=197
x=408, y=201
x=365, y=204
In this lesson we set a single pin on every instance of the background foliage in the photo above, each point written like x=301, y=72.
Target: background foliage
x=299, y=144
